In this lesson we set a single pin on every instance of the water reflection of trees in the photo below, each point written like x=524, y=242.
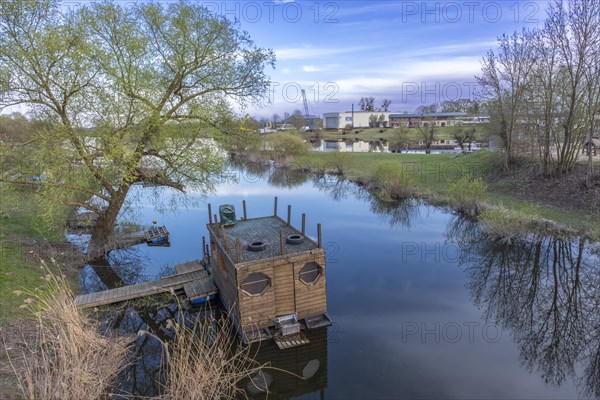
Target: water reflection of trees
x=287, y=178
x=544, y=291
x=153, y=326
x=394, y=213
x=293, y=372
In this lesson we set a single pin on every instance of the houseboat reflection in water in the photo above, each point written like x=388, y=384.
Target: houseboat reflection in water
x=293, y=372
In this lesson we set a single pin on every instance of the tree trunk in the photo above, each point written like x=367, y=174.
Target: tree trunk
x=590, y=163
x=100, y=241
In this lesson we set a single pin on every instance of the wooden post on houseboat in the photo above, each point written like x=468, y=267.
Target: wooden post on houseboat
x=224, y=235
x=244, y=207
x=289, y=217
x=303, y=224
x=275, y=212
x=319, y=238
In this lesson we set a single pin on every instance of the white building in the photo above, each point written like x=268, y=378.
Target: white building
x=339, y=120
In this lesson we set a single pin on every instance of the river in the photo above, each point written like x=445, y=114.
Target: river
x=424, y=304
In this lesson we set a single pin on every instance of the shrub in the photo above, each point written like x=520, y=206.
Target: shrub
x=511, y=225
x=70, y=359
x=285, y=146
x=394, y=181
x=205, y=362
x=467, y=193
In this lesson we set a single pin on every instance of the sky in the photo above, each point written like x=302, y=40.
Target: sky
x=410, y=52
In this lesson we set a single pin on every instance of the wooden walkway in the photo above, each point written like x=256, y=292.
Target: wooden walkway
x=192, y=272
x=287, y=342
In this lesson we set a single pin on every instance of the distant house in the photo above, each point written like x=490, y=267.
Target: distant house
x=595, y=142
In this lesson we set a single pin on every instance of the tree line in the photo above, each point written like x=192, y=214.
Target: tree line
x=542, y=87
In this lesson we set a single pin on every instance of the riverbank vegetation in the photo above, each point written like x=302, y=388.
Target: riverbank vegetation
x=204, y=361
x=542, y=89
x=68, y=358
x=459, y=180
x=24, y=238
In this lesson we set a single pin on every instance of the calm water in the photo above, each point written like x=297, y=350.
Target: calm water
x=424, y=305
x=372, y=146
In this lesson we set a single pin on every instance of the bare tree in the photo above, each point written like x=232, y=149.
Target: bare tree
x=427, y=109
x=574, y=28
x=385, y=105
x=505, y=78
x=427, y=131
x=297, y=119
x=464, y=136
x=275, y=118
x=543, y=94
x=367, y=103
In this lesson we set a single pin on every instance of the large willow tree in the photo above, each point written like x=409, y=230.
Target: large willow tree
x=130, y=93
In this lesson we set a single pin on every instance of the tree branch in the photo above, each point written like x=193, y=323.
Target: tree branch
x=57, y=185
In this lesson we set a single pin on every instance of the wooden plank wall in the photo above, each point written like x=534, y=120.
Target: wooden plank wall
x=225, y=279
x=287, y=293
x=257, y=311
x=311, y=299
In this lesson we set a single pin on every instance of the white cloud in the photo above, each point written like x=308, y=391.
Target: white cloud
x=310, y=68
x=309, y=52
x=321, y=68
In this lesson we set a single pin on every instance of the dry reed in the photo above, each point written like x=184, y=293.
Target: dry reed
x=70, y=359
x=205, y=362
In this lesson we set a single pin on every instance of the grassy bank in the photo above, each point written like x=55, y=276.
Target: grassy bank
x=433, y=175
x=24, y=238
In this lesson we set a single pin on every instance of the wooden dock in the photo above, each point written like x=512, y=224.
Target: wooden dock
x=192, y=274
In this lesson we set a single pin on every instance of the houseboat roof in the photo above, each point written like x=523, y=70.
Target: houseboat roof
x=264, y=230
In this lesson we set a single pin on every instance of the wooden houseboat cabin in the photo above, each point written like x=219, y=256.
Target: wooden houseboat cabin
x=271, y=276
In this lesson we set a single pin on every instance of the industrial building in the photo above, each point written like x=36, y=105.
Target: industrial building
x=362, y=119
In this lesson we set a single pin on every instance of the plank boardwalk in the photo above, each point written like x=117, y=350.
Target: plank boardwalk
x=190, y=272
x=287, y=342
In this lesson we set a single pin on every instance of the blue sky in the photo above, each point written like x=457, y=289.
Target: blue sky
x=411, y=52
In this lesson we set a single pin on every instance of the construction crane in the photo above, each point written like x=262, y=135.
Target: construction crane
x=307, y=117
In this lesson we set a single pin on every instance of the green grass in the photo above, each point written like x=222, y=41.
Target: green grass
x=432, y=172
x=19, y=270
x=435, y=173
x=576, y=220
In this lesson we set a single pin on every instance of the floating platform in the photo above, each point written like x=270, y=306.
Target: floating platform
x=193, y=274
x=157, y=236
